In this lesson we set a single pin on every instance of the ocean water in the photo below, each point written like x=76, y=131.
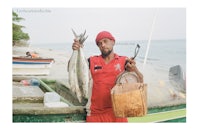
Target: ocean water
x=162, y=54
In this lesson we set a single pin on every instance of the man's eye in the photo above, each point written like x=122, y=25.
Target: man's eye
x=105, y=41
x=99, y=44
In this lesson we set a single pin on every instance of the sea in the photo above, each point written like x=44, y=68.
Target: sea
x=162, y=54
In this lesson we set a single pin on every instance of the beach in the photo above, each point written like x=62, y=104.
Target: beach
x=58, y=71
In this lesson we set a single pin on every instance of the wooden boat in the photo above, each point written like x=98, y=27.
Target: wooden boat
x=28, y=106
x=32, y=66
x=31, y=104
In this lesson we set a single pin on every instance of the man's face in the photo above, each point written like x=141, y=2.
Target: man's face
x=106, y=46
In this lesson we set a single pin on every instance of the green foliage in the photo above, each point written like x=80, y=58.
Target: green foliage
x=18, y=34
x=16, y=18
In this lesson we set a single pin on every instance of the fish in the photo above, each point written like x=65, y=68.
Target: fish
x=80, y=79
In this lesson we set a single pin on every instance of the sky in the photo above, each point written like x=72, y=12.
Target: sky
x=51, y=25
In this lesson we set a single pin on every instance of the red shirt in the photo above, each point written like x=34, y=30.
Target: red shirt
x=104, y=77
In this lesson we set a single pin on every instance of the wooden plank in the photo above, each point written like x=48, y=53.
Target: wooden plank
x=159, y=117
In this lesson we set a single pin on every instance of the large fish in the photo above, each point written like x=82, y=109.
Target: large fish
x=80, y=78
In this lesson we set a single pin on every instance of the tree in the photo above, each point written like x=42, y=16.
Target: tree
x=18, y=34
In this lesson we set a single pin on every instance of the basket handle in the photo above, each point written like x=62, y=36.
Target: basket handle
x=126, y=72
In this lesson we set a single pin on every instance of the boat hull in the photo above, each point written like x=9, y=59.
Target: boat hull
x=31, y=66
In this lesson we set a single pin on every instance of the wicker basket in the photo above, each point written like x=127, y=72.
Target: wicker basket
x=129, y=98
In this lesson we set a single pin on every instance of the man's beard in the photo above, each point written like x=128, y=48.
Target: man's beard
x=105, y=54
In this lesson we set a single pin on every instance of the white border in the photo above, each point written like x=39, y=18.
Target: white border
x=192, y=68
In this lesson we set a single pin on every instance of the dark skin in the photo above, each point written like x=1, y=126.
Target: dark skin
x=106, y=47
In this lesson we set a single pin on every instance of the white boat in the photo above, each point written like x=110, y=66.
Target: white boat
x=32, y=66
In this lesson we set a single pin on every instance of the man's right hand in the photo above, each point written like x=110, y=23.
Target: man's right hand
x=76, y=45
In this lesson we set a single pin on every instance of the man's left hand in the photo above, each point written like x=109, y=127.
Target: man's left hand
x=130, y=65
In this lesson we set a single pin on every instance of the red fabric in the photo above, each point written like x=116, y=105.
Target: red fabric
x=104, y=77
x=104, y=34
x=106, y=117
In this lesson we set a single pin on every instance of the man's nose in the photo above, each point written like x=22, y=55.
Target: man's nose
x=103, y=44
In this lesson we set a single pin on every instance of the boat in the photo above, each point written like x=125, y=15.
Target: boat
x=40, y=103
x=29, y=106
x=32, y=66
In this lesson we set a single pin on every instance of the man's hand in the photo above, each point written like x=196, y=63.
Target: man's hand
x=131, y=67
x=76, y=45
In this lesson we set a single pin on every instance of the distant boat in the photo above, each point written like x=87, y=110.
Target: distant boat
x=32, y=66
x=177, y=78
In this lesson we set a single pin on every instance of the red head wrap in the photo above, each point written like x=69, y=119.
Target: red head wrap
x=104, y=34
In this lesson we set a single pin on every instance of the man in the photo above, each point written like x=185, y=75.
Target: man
x=31, y=55
x=104, y=69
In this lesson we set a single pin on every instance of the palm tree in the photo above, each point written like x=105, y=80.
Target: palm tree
x=18, y=34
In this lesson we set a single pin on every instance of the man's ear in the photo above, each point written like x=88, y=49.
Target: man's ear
x=113, y=42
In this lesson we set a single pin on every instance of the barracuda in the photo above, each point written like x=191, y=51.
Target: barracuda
x=80, y=79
